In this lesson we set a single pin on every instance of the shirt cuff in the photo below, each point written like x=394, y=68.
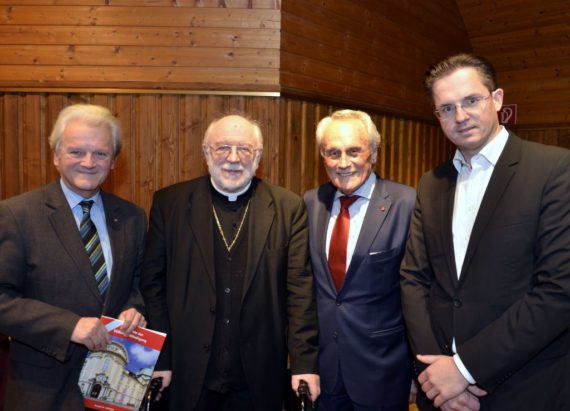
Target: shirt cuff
x=463, y=369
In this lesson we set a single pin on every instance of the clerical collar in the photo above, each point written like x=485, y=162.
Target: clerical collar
x=230, y=196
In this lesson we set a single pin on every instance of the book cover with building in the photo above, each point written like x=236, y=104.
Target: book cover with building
x=116, y=379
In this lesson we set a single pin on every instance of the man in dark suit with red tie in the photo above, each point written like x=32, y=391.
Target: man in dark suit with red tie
x=69, y=252
x=358, y=225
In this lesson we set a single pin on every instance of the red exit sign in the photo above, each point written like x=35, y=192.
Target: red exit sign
x=508, y=114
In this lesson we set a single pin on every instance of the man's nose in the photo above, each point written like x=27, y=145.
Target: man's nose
x=88, y=160
x=460, y=114
x=344, y=161
x=233, y=156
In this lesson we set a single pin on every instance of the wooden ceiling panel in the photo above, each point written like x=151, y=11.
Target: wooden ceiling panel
x=528, y=42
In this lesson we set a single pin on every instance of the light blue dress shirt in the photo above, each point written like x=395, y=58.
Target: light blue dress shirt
x=98, y=218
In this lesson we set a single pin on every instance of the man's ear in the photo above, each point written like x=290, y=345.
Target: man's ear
x=497, y=96
x=374, y=157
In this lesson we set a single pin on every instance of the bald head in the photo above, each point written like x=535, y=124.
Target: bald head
x=232, y=147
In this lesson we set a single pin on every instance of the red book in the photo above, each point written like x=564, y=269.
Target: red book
x=116, y=379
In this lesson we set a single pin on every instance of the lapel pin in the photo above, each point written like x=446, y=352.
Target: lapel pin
x=382, y=208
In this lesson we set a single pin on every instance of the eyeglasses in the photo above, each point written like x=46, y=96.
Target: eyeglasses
x=244, y=151
x=470, y=105
x=336, y=154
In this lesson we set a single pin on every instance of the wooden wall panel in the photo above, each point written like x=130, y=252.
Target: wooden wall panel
x=529, y=45
x=555, y=136
x=367, y=53
x=230, y=45
x=162, y=137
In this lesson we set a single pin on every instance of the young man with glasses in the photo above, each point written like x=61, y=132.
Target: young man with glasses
x=227, y=276
x=486, y=276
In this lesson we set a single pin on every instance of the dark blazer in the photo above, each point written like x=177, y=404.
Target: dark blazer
x=510, y=310
x=47, y=284
x=361, y=326
x=278, y=308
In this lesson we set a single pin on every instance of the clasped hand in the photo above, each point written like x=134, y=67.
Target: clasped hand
x=443, y=383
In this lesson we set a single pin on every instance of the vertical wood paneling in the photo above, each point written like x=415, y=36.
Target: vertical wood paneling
x=292, y=150
x=12, y=142
x=162, y=137
x=193, y=128
x=127, y=160
x=169, y=127
x=147, y=133
x=33, y=148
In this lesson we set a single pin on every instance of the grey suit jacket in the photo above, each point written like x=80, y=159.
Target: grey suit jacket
x=509, y=312
x=47, y=285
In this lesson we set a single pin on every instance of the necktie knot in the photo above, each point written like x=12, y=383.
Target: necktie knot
x=86, y=206
x=346, y=201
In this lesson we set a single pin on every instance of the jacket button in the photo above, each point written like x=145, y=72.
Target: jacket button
x=457, y=303
x=338, y=302
x=335, y=335
x=206, y=347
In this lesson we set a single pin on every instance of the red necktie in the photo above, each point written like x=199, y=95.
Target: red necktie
x=339, y=241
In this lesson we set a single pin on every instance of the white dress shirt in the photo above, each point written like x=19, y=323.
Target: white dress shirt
x=472, y=181
x=357, y=212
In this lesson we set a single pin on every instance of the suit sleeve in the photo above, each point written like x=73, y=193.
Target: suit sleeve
x=416, y=284
x=43, y=326
x=543, y=313
x=301, y=304
x=135, y=299
x=153, y=280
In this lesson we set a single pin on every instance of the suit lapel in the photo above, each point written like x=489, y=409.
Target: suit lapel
x=325, y=199
x=502, y=174
x=200, y=220
x=446, y=203
x=378, y=209
x=63, y=223
x=260, y=220
x=114, y=221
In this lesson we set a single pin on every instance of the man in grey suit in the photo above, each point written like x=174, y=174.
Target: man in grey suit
x=486, y=276
x=69, y=252
x=363, y=353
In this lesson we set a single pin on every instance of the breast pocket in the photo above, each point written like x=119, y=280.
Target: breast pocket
x=383, y=255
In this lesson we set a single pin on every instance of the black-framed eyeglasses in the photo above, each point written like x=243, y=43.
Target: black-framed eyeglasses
x=470, y=105
x=224, y=150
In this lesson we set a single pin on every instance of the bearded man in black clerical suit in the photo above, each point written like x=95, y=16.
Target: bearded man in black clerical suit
x=227, y=275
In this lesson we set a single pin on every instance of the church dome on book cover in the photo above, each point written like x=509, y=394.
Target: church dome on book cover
x=105, y=378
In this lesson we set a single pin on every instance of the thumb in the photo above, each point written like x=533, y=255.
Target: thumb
x=473, y=389
x=426, y=359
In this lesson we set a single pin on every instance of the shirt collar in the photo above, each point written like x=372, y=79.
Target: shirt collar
x=365, y=190
x=73, y=199
x=490, y=152
x=230, y=196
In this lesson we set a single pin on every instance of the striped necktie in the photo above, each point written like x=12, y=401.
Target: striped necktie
x=93, y=247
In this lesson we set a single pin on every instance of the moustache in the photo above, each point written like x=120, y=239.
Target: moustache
x=236, y=167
